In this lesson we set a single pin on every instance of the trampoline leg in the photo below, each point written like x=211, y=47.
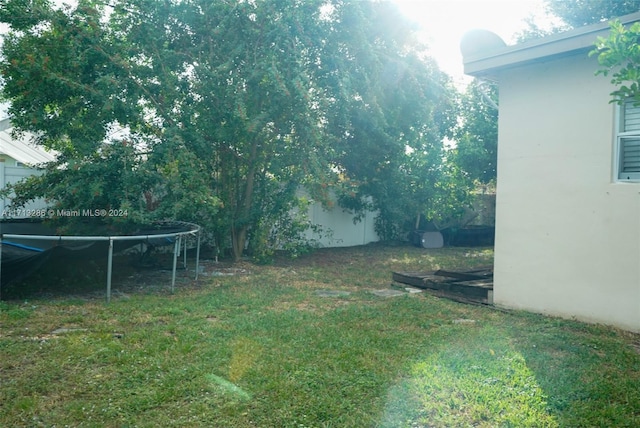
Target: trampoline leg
x=176, y=250
x=198, y=256
x=109, y=265
x=184, y=263
x=1, y=266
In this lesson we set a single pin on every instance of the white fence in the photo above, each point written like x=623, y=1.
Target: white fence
x=338, y=228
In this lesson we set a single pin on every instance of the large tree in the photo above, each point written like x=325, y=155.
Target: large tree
x=476, y=137
x=223, y=109
x=390, y=127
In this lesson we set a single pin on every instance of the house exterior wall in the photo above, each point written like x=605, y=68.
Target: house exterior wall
x=8, y=160
x=568, y=234
x=10, y=172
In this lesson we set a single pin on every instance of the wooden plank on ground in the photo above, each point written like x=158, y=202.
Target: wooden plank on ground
x=481, y=283
x=437, y=282
x=474, y=285
x=410, y=278
x=466, y=275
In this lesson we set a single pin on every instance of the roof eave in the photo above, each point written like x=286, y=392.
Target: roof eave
x=489, y=64
x=22, y=150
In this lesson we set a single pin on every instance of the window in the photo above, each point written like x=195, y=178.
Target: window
x=628, y=142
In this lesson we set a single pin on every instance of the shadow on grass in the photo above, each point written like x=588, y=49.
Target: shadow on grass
x=66, y=277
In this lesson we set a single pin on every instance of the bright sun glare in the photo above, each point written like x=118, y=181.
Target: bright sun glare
x=444, y=22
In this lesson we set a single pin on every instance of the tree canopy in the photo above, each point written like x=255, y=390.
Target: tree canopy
x=219, y=112
x=476, y=136
x=619, y=56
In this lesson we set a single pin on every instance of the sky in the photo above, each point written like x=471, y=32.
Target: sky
x=444, y=22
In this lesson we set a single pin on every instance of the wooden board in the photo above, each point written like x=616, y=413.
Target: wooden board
x=473, y=285
x=470, y=275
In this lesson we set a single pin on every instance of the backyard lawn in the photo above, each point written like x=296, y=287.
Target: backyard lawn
x=305, y=343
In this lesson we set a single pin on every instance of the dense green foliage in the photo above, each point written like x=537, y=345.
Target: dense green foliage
x=476, y=149
x=224, y=110
x=619, y=54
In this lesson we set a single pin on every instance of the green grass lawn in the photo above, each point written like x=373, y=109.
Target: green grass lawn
x=262, y=349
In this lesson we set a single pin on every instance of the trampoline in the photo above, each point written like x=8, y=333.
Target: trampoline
x=26, y=245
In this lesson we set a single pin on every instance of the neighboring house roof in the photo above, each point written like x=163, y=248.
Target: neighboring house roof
x=483, y=55
x=22, y=150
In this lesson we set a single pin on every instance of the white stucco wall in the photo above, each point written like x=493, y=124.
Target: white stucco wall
x=567, y=234
x=339, y=228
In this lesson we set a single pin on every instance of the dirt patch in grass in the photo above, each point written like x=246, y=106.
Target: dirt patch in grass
x=318, y=308
x=634, y=341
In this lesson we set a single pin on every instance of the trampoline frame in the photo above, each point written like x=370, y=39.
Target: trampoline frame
x=178, y=238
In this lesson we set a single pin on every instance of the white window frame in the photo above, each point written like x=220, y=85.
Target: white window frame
x=625, y=136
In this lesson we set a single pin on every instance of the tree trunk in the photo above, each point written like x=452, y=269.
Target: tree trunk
x=239, y=234
x=238, y=241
